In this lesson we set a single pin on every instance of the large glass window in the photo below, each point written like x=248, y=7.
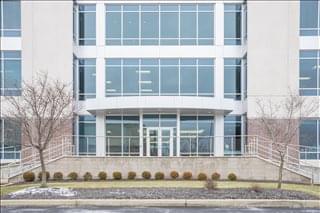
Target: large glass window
x=310, y=139
x=196, y=135
x=159, y=24
x=232, y=135
x=87, y=78
x=87, y=24
x=10, y=73
x=193, y=77
x=309, y=73
x=232, y=78
x=309, y=17
x=10, y=139
x=232, y=24
x=10, y=18
x=122, y=135
x=87, y=135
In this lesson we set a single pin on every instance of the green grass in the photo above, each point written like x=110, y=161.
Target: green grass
x=314, y=190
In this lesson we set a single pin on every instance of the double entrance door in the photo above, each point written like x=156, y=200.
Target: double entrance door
x=159, y=141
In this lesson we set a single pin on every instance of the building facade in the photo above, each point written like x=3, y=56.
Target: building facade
x=164, y=78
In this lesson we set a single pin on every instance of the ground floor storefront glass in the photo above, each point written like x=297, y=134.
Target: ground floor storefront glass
x=162, y=135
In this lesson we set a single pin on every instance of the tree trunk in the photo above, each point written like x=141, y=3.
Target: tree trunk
x=43, y=170
x=280, y=172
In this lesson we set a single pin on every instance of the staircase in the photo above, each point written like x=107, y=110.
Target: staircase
x=255, y=147
x=60, y=148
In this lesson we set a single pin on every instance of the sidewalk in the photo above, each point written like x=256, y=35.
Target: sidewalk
x=167, y=203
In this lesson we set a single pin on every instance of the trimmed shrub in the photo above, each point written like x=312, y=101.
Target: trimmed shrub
x=131, y=175
x=256, y=188
x=202, y=176
x=57, y=176
x=28, y=176
x=73, y=176
x=159, y=176
x=146, y=175
x=215, y=176
x=117, y=175
x=87, y=176
x=174, y=174
x=210, y=185
x=40, y=175
x=232, y=177
x=187, y=175
x=102, y=176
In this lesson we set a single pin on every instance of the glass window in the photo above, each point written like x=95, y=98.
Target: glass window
x=309, y=138
x=87, y=24
x=309, y=73
x=10, y=18
x=232, y=78
x=149, y=76
x=196, y=136
x=131, y=77
x=309, y=18
x=149, y=25
x=159, y=24
x=232, y=24
x=10, y=73
x=232, y=133
x=87, y=135
x=10, y=139
x=87, y=78
x=188, y=77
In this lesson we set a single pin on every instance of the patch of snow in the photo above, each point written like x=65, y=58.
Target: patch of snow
x=44, y=191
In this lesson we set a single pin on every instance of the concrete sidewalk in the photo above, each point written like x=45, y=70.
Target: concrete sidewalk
x=167, y=203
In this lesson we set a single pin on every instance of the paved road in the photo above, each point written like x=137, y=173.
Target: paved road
x=151, y=210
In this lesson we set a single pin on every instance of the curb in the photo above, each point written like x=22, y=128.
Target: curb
x=166, y=203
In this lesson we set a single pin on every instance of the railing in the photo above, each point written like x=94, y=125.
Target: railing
x=243, y=145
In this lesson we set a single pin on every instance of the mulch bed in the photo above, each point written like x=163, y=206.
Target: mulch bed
x=173, y=193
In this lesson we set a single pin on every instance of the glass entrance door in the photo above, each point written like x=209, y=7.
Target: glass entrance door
x=160, y=141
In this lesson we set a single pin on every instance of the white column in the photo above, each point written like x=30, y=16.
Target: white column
x=100, y=24
x=219, y=133
x=178, y=134
x=219, y=41
x=141, y=134
x=101, y=135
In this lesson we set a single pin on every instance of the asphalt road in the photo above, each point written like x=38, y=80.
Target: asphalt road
x=150, y=210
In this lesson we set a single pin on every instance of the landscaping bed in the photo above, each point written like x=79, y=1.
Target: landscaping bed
x=160, y=193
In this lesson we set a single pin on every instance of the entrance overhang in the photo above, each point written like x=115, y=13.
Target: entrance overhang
x=159, y=104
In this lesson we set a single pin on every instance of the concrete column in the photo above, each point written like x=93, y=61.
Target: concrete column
x=219, y=133
x=100, y=24
x=219, y=23
x=178, y=134
x=101, y=135
x=219, y=41
x=141, y=134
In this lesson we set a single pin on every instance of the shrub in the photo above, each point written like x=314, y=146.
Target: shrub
x=211, y=185
x=174, y=174
x=87, y=176
x=117, y=175
x=202, y=176
x=73, y=176
x=256, y=188
x=131, y=175
x=102, y=176
x=187, y=175
x=57, y=176
x=159, y=176
x=40, y=175
x=146, y=175
x=215, y=176
x=28, y=176
x=232, y=177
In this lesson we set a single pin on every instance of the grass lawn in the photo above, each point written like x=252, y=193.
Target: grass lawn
x=315, y=190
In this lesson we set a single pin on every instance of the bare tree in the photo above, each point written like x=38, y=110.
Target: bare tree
x=44, y=108
x=280, y=122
